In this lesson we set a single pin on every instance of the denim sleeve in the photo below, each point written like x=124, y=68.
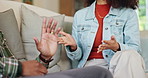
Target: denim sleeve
x=131, y=33
x=75, y=55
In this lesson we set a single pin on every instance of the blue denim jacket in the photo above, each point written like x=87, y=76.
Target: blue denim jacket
x=121, y=22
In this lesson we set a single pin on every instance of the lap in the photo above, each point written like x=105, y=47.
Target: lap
x=87, y=72
x=127, y=64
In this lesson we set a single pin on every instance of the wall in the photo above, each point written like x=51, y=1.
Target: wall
x=12, y=0
x=48, y=4
x=52, y=5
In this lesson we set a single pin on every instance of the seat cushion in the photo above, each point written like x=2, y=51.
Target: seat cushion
x=9, y=27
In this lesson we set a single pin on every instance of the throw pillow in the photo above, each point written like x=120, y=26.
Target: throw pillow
x=31, y=27
x=8, y=25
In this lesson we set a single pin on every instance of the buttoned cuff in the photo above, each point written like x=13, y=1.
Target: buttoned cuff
x=74, y=55
x=19, y=70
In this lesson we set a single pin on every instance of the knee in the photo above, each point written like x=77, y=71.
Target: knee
x=130, y=53
x=101, y=72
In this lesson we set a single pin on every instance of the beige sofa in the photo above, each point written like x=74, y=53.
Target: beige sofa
x=62, y=62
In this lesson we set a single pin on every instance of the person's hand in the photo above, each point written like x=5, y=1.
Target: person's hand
x=109, y=44
x=33, y=68
x=49, y=37
x=67, y=40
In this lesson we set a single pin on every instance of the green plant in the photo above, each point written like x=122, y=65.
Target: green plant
x=142, y=15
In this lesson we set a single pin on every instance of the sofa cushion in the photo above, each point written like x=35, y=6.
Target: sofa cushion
x=31, y=27
x=8, y=25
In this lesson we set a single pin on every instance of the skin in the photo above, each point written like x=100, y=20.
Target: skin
x=101, y=2
x=47, y=47
x=68, y=40
x=48, y=42
x=33, y=68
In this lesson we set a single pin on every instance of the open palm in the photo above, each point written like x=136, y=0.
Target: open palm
x=48, y=42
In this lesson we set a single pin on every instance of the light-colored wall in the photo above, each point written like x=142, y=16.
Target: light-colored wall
x=13, y=0
x=48, y=4
x=52, y=5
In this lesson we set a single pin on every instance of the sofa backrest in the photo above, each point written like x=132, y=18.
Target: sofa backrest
x=16, y=6
x=63, y=64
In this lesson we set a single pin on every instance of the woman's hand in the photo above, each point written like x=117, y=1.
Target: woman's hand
x=67, y=40
x=109, y=44
x=49, y=38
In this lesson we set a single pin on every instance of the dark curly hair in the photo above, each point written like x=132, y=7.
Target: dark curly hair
x=133, y=4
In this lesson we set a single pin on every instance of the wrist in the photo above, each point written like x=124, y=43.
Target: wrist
x=73, y=48
x=19, y=70
x=118, y=47
x=45, y=59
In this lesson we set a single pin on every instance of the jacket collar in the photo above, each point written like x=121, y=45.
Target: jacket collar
x=91, y=11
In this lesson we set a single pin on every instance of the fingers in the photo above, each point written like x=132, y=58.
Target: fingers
x=61, y=40
x=57, y=31
x=66, y=44
x=49, y=25
x=66, y=40
x=63, y=33
x=62, y=43
x=36, y=41
x=54, y=25
x=42, y=69
x=106, y=41
x=44, y=26
x=33, y=68
x=113, y=37
x=108, y=44
x=52, y=28
x=102, y=47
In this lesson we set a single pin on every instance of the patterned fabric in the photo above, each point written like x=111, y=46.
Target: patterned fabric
x=9, y=65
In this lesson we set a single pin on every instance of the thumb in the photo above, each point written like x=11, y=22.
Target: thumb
x=113, y=37
x=36, y=41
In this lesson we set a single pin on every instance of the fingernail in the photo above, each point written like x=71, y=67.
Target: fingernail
x=98, y=51
x=59, y=42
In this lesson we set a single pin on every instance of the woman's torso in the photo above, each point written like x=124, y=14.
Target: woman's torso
x=114, y=23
